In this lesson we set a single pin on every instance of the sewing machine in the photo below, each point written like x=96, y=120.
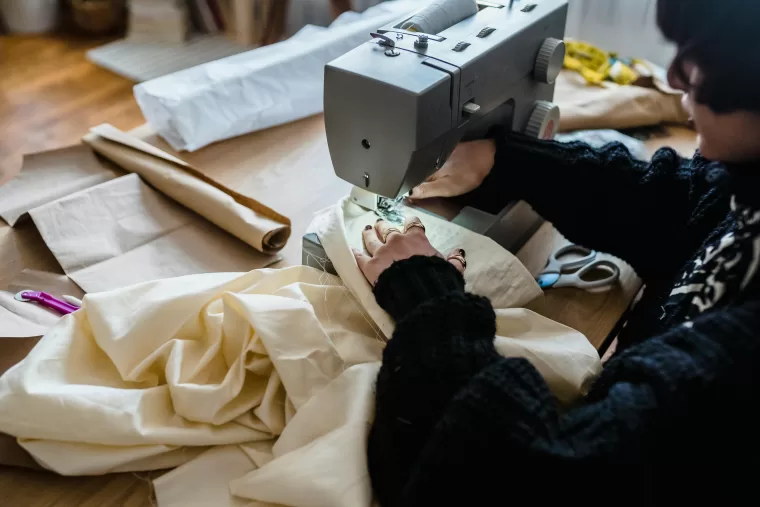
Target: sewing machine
x=397, y=106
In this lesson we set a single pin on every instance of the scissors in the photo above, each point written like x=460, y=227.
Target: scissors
x=49, y=301
x=574, y=273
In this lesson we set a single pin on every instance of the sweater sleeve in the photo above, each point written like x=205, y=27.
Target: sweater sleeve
x=604, y=198
x=452, y=414
x=443, y=337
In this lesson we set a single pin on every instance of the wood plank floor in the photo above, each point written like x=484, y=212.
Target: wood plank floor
x=49, y=96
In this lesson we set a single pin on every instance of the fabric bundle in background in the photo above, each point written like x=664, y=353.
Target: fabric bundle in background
x=259, y=89
x=318, y=12
x=440, y=15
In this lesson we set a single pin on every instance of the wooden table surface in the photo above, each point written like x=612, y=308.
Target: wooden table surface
x=49, y=96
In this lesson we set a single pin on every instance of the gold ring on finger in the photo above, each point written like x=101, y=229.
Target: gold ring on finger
x=388, y=232
x=412, y=225
x=458, y=258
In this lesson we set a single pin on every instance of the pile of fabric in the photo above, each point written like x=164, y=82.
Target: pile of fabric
x=258, y=387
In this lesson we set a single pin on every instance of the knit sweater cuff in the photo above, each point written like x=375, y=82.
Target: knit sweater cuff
x=410, y=282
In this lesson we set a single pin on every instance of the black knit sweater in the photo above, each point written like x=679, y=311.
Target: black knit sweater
x=457, y=424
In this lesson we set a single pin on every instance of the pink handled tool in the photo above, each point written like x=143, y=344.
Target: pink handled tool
x=46, y=300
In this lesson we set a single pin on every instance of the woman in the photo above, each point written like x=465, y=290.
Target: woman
x=456, y=424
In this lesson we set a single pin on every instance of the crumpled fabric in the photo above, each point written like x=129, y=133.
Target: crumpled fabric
x=258, y=387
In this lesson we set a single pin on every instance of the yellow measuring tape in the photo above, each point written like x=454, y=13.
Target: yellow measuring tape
x=597, y=66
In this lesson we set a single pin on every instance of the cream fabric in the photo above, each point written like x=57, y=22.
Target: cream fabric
x=122, y=232
x=261, y=381
x=22, y=326
x=613, y=106
x=493, y=272
x=247, y=219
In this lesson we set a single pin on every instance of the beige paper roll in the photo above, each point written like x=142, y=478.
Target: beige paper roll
x=247, y=219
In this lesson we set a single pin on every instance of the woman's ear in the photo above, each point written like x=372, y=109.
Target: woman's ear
x=683, y=75
x=674, y=77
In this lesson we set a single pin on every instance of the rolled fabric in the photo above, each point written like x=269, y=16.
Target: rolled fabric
x=440, y=15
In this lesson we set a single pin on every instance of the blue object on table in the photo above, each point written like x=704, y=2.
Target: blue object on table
x=573, y=272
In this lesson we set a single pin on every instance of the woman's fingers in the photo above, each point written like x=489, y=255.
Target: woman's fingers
x=435, y=176
x=457, y=259
x=371, y=242
x=413, y=225
x=361, y=258
x=385, y=229
x=442, y=187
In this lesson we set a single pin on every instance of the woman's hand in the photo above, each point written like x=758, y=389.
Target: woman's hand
x=464, y=171
x=387, y=243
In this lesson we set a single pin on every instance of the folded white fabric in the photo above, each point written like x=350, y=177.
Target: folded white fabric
x=440, y=15
x=260, y=385
x=258, y=89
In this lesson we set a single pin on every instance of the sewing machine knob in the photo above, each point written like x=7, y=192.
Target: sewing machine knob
x=544, y=120
x=549, y=61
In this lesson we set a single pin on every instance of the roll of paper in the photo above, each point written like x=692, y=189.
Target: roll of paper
x=440, y=15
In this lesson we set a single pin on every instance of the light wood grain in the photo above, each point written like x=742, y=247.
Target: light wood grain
x=50, y=94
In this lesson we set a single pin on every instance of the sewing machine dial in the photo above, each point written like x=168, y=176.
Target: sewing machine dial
x=549, y=61
x=544, y=120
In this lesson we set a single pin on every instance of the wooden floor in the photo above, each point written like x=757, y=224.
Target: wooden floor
x=49, y=96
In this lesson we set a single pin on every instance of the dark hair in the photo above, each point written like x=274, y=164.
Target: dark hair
x=722, y=37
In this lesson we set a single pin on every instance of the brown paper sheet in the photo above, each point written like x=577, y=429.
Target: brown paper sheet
x=48, y=176
x=243, y=217
x=613, y=106
x=123, y=232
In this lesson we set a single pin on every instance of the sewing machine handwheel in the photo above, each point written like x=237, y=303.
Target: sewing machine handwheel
x=544, y=120
x=549, y=61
